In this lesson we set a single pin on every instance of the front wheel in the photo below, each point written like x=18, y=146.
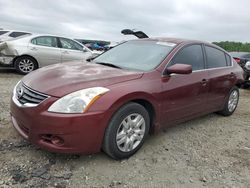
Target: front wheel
x=126, y=131
x=231, y=102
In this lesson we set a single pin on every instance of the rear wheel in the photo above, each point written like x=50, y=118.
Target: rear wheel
x=126, y=131
x=25, y=64
x=231, y=102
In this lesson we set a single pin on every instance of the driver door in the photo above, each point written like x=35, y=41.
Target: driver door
x=185, y=96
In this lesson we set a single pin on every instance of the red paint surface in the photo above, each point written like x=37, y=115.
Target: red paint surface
x=174, y=98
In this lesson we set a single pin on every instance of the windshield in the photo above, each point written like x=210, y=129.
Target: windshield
x=137, y=55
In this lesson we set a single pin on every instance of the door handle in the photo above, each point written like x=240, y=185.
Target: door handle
x=65, y=52
x=204, y=82
x=34, y=49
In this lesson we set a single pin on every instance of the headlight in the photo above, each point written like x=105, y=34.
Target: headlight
x=79, y=101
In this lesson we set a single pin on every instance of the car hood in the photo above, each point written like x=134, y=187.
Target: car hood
x=61, y=79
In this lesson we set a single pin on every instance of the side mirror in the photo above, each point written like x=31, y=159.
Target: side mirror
x=178, y=69
x=84, y=49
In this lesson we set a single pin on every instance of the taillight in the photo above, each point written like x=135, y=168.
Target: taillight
x=237, y=60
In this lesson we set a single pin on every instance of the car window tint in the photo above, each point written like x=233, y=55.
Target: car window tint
x=3, y=32
x=191, y=55
x=229, y=60
x=45, y=41
x=139, y=55
x=247, y=56
x=17, y=34
x=70, y=44
x=215, y=58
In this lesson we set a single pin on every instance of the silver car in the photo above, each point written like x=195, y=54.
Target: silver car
x=31, y=52
x=11, y=34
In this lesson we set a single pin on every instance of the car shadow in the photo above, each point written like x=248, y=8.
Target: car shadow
x=7, y=70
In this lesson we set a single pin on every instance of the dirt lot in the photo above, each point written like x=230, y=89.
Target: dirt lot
x=212, y=151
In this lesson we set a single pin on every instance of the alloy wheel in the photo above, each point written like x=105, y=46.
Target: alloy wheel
x=130, y=132
x=26, y=65
x=233, y=100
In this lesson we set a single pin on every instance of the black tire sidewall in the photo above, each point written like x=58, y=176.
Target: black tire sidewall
x=19, y=59
x=110, y=145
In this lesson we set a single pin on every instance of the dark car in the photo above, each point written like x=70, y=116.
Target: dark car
x=136, y=88
x=243, y=59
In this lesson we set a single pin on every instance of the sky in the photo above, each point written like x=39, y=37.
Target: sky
x=209, y=20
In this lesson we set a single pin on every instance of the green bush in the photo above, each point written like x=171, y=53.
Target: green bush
x=234, y=46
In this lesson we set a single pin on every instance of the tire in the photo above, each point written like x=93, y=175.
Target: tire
x=122, y=137
x=247, y=78
x=231, y=102
x=245, y=85
x=25, y=64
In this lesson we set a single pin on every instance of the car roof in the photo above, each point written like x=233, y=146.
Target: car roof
x=180, y=41
x=11, y=31
x=50, y=35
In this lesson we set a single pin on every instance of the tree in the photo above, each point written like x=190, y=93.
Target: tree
x=234, y=46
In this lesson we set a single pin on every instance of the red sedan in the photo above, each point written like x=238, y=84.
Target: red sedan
x=113, y=102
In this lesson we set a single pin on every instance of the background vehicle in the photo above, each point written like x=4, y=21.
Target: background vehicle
x=243, y=59
x=11, y=34
x=115, y=101
x=29, y=53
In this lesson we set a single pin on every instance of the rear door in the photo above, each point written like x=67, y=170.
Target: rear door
x=72, y=51
x=186, y=95
x=221, y=77
x=45, y=50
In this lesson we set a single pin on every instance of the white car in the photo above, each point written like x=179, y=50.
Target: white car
x=11, y=34
x=28, y=53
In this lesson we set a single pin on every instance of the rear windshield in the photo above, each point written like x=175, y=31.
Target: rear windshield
x=17, y=34
x=137, y=55
x=3, y=32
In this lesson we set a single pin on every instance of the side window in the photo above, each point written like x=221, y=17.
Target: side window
x=215, y=58
x=229, y=60
x=191, y=55
x=45, y=41
x=17, y=34
x=70, y=44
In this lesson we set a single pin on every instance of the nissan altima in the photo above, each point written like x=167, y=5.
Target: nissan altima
x=115, y=101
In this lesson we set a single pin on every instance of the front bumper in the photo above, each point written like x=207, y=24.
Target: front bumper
x=72, y=133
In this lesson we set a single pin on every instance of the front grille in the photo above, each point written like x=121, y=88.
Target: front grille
x=26, y=95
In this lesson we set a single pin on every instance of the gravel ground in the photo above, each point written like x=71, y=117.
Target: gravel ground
x=211, y=151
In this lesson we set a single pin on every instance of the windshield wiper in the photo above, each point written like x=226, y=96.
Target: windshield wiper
x=109, y=64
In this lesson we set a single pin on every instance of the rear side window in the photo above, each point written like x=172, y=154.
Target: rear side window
x=215, y=58
x=229, y=60
x=17, y=34
x=191, y=55
x=3, y=32
x=45, y=41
